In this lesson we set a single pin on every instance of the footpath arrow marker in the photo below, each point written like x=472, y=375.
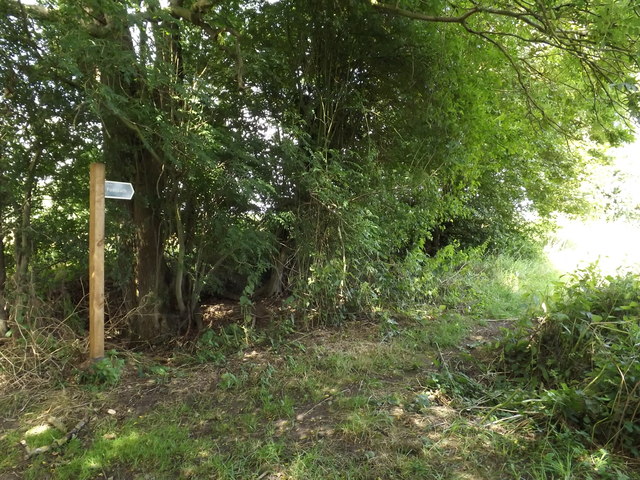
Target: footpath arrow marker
x=99, y=189
x=118, y=190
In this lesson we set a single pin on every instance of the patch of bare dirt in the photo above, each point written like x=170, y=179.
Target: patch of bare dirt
x=225, y=312
x=488, y=331
x=138, y=395
x=311, y=423
x=10, y=476
x=7, y=424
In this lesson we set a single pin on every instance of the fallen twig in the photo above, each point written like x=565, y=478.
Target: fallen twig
x=56, y=443
x=329, y=397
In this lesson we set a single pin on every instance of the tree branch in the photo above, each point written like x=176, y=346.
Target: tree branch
x=522, y=16
x=97, y=27
x=603, y=63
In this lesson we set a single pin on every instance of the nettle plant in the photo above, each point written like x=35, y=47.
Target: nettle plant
x=104, y=372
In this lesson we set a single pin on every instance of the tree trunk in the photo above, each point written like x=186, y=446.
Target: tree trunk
x=275, y=284
x=151, y=270
x=121, y=146
x=3, y=284
x=23, y=245
x=179, y=273
x=130, y=156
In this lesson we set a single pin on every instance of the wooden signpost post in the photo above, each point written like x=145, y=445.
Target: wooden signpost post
x=99, y=189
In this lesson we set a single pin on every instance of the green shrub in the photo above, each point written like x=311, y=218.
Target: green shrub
x=104, y=372
x=214, y=345
x=583, y=356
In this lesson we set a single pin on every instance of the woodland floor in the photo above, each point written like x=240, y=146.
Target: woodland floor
x=364, y=401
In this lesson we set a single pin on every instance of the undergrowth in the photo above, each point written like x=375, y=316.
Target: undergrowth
x=405, y=396
x=581, y=359
x=475, y=282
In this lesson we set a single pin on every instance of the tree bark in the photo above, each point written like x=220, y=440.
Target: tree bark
x=151, y=270
x=121, y=143
x=23, y=245
x=130, y=155
x=3, y=284
x=275, y=284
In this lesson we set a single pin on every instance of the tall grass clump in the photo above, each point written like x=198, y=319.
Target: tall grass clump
x=583, y=358
x=39, y=355
x=512, y=286
x=486, y=284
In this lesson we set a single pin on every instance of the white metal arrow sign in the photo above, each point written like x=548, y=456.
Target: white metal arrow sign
x=118, y=190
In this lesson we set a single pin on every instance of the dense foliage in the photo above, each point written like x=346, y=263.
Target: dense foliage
x=317, y=150
x=582, y=358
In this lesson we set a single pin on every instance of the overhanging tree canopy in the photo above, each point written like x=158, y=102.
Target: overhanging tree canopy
x=294, y=145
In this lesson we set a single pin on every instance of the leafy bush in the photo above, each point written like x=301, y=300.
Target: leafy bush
x=214, y=346
x=104, y=372
x=583, y=356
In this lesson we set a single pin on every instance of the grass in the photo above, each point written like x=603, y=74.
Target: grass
x=510, y=287
x=405, y=397
x=335, y=410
